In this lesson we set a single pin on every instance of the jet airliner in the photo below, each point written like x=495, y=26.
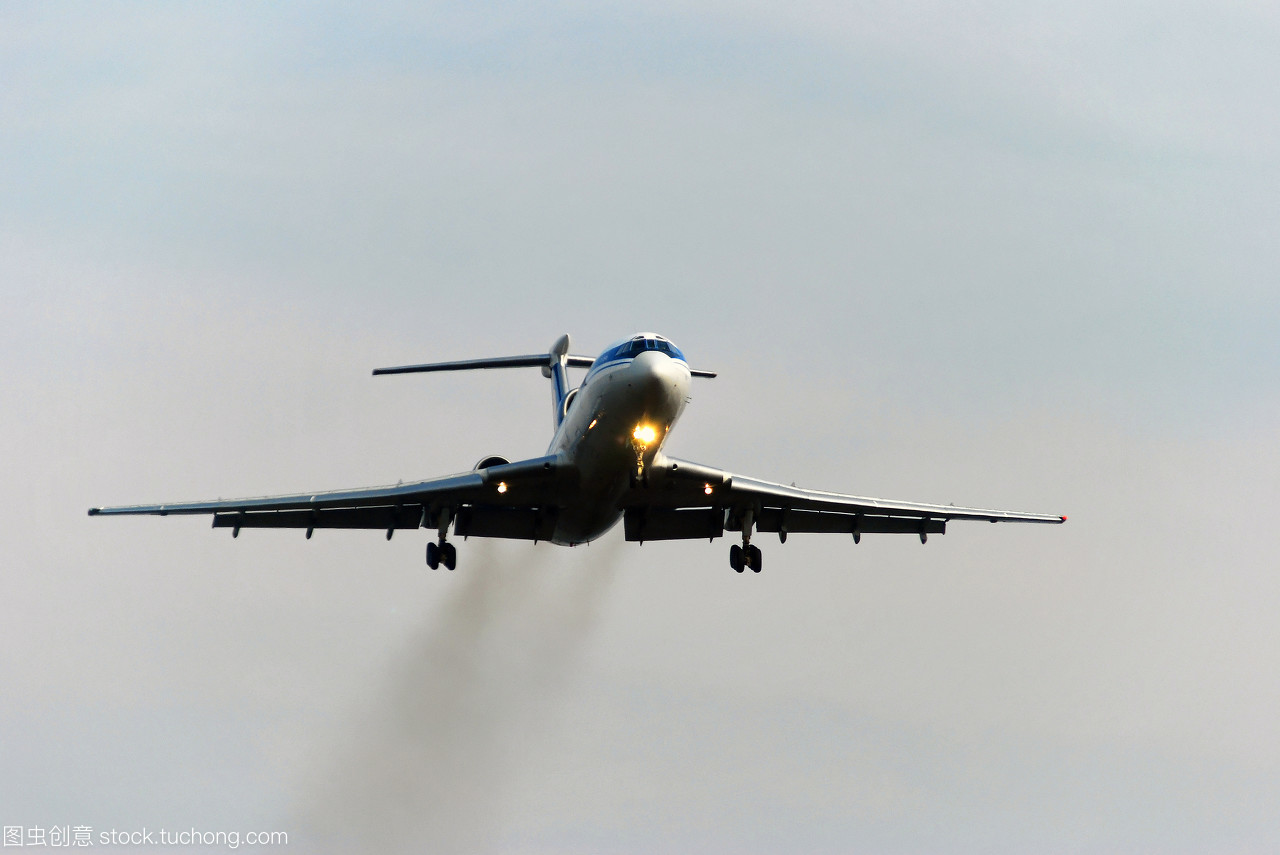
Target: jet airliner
x=606, y=462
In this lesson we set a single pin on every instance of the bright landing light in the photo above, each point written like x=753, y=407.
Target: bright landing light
x=644, y=434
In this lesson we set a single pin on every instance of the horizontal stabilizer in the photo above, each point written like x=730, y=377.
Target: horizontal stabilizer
x=531, y=360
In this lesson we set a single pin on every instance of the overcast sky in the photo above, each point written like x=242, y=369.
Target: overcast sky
x=1011, y=255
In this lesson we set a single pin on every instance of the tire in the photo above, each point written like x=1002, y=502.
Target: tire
x=433, y=555
x=735, y=558
x=756, y=560
x=449, y=555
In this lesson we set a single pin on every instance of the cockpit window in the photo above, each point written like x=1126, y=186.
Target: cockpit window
x=639, y=345
x=670, y=349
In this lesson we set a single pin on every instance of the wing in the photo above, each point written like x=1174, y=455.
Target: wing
x=513, y=488
x=689, y=500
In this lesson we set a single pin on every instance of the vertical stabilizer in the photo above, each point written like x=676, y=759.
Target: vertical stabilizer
x=557, y=369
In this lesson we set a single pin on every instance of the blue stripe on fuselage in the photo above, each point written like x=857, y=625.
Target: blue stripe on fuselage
x=597, y=366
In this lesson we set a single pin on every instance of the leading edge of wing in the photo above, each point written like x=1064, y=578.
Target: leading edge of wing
x=327, y=499
x=461, y=487
x=799, y=498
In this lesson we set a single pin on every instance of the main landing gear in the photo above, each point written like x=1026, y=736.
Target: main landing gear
x=442, y=552
x=746, y=555
x=742, y=557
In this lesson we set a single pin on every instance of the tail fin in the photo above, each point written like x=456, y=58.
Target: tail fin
x=554, y=365
x=557, y=369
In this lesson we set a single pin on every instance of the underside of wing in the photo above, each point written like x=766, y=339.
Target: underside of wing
x=520, y=486
x=688, y=500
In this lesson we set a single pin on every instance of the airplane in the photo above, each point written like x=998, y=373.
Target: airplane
x=605, y=462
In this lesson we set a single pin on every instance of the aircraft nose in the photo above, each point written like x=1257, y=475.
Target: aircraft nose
x=651, y=365
x=657, y=372
x=649, y=360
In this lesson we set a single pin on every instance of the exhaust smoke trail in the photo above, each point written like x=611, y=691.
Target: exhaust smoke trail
x=423, y=765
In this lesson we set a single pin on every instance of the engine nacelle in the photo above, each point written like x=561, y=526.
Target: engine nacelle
x=568, y=399
x=494, y=460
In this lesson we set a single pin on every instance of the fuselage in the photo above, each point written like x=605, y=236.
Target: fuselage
x=614, y=426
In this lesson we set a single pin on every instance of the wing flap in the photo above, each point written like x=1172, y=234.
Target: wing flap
x=641, y=524
x=815, y=522
x=680, y=484
x=782, y=495
x=510, y=523
x=383, y=518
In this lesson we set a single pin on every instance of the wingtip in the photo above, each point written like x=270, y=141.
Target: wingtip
x=1063, y=518
x=93, y=512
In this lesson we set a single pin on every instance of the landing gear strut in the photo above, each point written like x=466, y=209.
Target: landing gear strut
x=442, y=552
x=746, y=555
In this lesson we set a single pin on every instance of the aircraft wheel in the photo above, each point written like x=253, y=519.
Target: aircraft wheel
x=433, y=555
x=449, y=555
x=735, y=558
x=754, y=558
